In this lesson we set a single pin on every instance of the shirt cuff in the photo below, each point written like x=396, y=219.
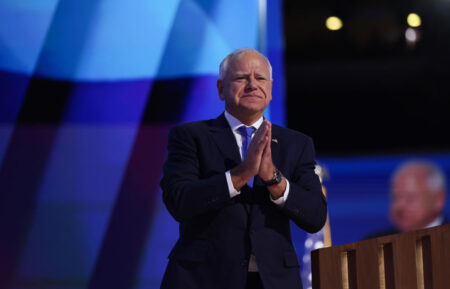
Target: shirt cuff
x=281, y=200
x=231, y=189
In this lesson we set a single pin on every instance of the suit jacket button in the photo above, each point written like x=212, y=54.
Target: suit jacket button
x=244, y=263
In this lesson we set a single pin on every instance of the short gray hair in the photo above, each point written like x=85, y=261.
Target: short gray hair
x=435, y=176
x=223, y=69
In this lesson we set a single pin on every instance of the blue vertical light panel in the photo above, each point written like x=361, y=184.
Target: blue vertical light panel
x=89, y=92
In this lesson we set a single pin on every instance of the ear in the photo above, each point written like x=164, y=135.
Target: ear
x=220, y=88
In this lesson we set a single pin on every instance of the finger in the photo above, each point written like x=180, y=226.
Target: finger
x=267, y=150
x=258, y=134
x=257, y=145
x=268, y=135
x=263, y=127
x=261, y=134
x=269, y=128
x=262, y=144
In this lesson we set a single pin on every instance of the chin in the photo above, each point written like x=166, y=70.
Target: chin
x=253, y=107
x=408, y=227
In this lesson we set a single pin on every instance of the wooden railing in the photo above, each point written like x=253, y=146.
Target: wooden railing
x=412, y=260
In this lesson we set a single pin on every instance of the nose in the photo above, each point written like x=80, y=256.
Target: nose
x=398, y=205
x=251, y=83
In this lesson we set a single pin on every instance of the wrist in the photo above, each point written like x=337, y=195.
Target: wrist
x=277, y=191
x=275, y=179
x=267, y=174
x=240, y=175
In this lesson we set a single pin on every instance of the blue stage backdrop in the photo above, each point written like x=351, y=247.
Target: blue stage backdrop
x=88, y=92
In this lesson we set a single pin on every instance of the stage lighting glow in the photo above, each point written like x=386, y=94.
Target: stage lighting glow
x=411, y=35
x=318, y=245
x=414, y=20
x=333, y=23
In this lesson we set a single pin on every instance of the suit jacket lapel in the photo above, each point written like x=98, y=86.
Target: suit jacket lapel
x=225, y=141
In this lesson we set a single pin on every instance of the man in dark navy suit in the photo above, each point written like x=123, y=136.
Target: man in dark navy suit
x=234, y=183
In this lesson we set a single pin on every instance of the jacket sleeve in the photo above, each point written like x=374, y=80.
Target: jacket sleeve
x=305, y=204
x=186, y=193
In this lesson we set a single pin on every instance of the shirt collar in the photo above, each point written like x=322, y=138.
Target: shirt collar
x=438, y=221
x=236, y=123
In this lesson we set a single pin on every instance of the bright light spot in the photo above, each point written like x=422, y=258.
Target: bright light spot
x=414, y=20
x=310, y=277
x=318, y=245
x=308, y=243
x=411, y=35
x=306, y=259
x=333, y=23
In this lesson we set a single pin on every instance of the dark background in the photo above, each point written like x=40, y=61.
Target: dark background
x=363, y=89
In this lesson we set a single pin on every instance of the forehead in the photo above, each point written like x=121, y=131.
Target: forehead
x=410, y=181
x=248, y=61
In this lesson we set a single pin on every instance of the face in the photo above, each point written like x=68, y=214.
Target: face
x=413, y=205
x=247, y=87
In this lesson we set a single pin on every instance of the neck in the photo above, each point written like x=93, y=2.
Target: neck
x=247, y=118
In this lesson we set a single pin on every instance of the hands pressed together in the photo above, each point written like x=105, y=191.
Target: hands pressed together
x=258, y=161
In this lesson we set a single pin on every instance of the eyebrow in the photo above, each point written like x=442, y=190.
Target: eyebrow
x=242, y=73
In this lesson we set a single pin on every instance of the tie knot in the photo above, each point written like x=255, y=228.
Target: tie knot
x=246, y=131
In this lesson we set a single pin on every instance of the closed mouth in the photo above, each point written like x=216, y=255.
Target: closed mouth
x=252, y=95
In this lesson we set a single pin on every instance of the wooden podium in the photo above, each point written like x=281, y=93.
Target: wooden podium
x=412, y=260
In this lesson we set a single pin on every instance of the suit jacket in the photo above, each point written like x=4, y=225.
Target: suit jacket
x=218, y=233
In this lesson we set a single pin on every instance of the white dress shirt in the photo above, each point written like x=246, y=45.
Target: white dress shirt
x=438, y=221
x=235, y=124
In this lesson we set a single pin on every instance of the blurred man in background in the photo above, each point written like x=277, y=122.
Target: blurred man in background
x=418, y=192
